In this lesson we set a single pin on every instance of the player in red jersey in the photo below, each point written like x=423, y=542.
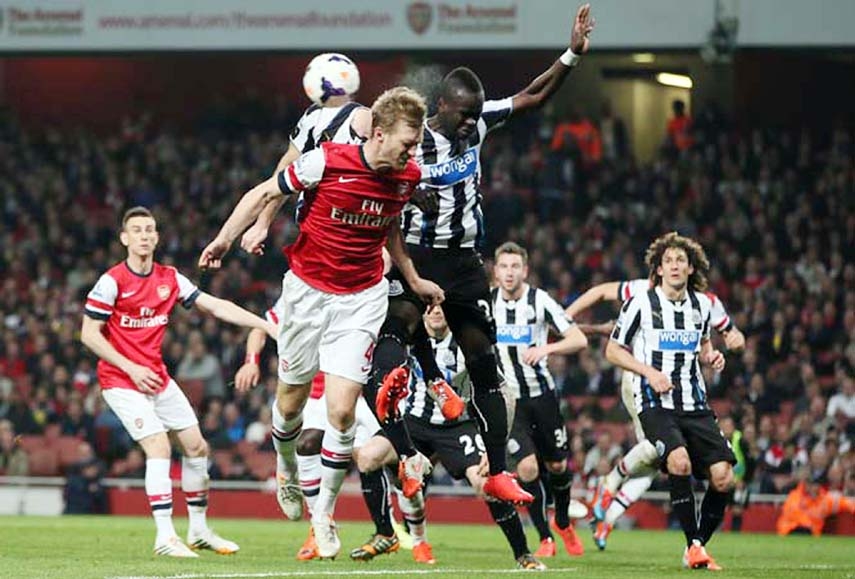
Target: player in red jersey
x=335, y=293
x=126, y=316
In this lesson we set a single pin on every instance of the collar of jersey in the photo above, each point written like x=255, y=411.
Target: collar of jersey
x=137, y=273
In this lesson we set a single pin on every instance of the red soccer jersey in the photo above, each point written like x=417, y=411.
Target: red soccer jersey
x=136, y=308
x=349, y=208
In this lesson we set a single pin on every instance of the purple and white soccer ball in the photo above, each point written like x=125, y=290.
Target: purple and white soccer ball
x=330, y=74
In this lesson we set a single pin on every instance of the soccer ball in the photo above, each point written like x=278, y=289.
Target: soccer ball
x=330, y=74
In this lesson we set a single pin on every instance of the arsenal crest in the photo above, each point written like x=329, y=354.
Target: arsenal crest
x=419, y=16
x=163, y=291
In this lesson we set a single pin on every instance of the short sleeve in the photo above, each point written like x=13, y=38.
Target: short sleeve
x=187, y=290
x=301, y=136
x=628, y=323
x=719, y=318
x=275, y=313
x=102, y=298
x=555, y=315
x=495, y=113
x=304, y=173
x=633, y=287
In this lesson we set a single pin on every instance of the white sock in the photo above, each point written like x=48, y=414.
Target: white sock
x=194, y=483
x=414, y=514
x=630, y=492
x=309, y=469
x=158, y=487
x=285, y=433
x=336, y=454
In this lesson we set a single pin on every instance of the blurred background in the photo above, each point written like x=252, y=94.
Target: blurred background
x=727, y=120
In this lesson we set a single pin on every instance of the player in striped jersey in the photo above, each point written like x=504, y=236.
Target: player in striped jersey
x=662, y=336
x=524, y=315
x=636, y=471
x=336, y=119
x=454, y=442
x=445, y=243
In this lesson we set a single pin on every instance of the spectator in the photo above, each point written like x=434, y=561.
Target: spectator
x=85, y=493
x=13, y=459
x=259, y=431
x=78, y=423
x=199, y=364
x=679, y=128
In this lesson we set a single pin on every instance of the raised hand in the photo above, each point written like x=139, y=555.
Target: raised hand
x=582, y=27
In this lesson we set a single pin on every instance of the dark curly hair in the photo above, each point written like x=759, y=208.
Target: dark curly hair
x=696, y=254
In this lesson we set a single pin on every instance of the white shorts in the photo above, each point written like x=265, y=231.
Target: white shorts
x=628, y=397
x=315, y=417
x=147, y=414
x=333, y=333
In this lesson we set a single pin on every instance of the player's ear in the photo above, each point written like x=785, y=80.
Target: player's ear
x=123, y=237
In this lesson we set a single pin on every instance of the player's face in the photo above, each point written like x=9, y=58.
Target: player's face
x=675, y=268
x=140, y=236
x=435, y=321
x=510, y=271
x=458, y=116
x=399, y=145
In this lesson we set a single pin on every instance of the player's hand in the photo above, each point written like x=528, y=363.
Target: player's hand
x=734, y=340
x=582, y=27
x=252, y=241
x=659, y=382
x=212, y=256
x=431, y=293
x=426, y=199
x=247, y=377
x=534, y=355
x=144, y=378
x=714, y=359
x=484, y=466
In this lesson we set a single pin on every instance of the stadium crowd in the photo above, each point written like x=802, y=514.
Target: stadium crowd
x=773, y=209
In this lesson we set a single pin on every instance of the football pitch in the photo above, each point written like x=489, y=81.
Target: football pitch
x=120, y=547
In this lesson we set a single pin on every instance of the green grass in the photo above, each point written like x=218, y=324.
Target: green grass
x=83, y=547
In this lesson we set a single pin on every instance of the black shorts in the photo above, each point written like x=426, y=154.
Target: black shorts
x=457, y=447
x=697, y=431
x=461, y=274
x=539, y=429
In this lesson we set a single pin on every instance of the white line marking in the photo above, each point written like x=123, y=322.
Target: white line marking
x=337, y=573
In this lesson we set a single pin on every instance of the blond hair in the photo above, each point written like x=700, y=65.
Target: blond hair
x=512, y=248
x=696, y=254
x=398, y=104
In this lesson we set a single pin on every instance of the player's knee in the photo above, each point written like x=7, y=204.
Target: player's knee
x=679, y=463
x=527, y=469
x=396, y=327
x=309, y=442
x=721, y=479
x=405, y=315
x=195, y=447
x=371, y=456
x=341, y=418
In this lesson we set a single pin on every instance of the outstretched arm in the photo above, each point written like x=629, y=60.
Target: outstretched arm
x=546, y=84
x=598, y=293
x=232, y=313
x=252, y=240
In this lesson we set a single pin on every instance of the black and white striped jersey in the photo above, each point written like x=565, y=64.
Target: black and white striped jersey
x=520, y=324
x=719, y=318
x=320, y=125
x=450, y=360
x=667, y=335
x=454, y=170
x=325, y=124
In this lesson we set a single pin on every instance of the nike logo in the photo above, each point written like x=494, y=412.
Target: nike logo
x=128, y=294
x=343, y=180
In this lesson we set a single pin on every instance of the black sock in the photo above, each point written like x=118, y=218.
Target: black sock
x=397, y=433
x=736, y=523
x=683, y=505
x=424, y=354
x=537, y=508
x=712, y=513
x=491, y=412
x=560, y=483
x=508, y=520
x=375, y=491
